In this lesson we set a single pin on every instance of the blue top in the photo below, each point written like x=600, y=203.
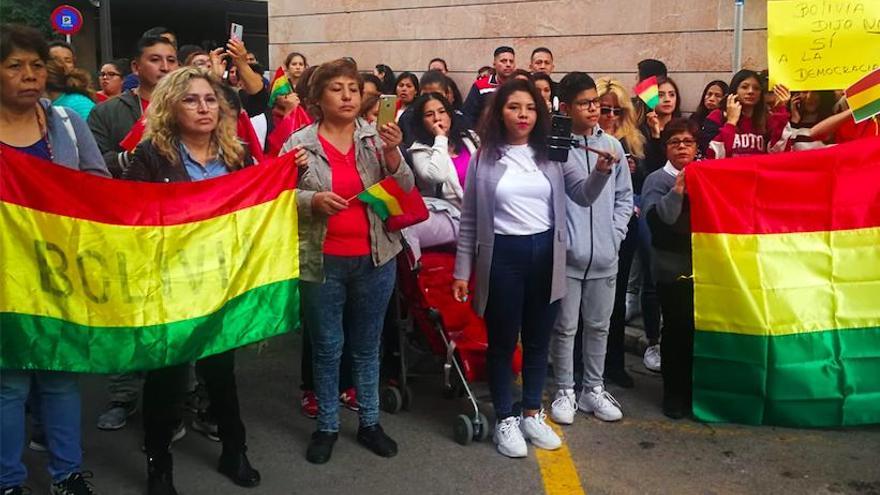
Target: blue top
x=197, y=171
x=80, y=104
x=40, y=149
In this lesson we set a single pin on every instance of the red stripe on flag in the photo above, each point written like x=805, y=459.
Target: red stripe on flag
x=40, y=185
x=836, y=188
x=867, y=82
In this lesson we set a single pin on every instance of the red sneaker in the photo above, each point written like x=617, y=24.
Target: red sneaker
x=309, y=404
x=348, y=399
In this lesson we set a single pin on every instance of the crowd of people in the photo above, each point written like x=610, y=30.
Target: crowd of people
x=545, y=246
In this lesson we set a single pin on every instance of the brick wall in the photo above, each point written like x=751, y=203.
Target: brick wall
x=602, y=37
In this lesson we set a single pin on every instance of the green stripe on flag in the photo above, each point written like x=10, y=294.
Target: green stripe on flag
x=867, y=111
x=377, y=204
x=816, y=379
x=39, y=342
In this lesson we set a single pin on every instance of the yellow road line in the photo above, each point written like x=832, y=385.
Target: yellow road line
x=557, y=469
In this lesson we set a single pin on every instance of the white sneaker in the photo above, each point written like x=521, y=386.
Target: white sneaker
x=537, y=431
x=564, y=406
x=599, y=402
x=652, y=358
x=509, y=438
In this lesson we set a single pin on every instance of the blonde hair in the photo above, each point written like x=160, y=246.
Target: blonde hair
x=162, y=128
x=627, y=129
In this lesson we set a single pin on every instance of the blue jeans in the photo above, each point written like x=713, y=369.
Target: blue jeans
x=58, y=396
x=519, y=298
x=650, y=301
x=356, y=292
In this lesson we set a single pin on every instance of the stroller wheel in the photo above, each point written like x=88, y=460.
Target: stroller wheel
x=463, y=430
x=391, y=400
x=407, y=398
x=481, y=431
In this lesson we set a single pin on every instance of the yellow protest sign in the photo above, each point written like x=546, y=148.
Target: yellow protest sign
x=822, y=44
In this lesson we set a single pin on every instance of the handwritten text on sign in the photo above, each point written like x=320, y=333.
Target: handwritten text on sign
x=822, y=44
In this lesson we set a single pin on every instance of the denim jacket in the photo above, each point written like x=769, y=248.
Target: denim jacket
x=317, y=177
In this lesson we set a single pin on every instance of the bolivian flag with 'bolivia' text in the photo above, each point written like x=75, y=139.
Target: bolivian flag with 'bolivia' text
x=786, y=252
x=102, y=275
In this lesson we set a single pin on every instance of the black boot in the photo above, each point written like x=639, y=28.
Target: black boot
x=375, y=439
x=321, y=447
x=159, y=477
x=235, y=465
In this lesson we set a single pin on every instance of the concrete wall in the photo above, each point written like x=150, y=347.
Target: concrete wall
x=602, y=37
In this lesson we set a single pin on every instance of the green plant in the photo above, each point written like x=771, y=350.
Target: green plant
x=34, y=13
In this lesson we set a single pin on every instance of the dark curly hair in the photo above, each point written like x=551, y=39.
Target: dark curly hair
x=457, y=130
x=493, y=132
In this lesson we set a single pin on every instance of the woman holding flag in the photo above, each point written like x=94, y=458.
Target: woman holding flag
x=191, y=135
x=30, y=124
x=347, y=257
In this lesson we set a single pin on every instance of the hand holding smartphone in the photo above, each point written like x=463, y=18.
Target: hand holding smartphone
x=236, y=31
x=387, y=110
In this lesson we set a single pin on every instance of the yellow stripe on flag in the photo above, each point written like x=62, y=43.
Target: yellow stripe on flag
x=389, y=200
x=153, y=274
x=864, y=98
x=781, y=284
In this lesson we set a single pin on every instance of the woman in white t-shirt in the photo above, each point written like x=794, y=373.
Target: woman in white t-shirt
x=510, y=242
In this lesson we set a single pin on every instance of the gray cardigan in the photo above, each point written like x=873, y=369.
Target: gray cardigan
x=477, y=232
x=317, y=176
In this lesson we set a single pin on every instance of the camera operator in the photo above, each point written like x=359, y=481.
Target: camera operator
x=595, y=233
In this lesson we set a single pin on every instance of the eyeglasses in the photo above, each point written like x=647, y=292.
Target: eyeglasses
x=616, y=111
x=675, y=143
x=193, y=102
x=110, y=74
x=585, y=104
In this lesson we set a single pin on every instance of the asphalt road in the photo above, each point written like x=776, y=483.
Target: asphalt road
x=643, y=453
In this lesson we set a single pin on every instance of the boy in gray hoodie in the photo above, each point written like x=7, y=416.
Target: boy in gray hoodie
x=594, y=237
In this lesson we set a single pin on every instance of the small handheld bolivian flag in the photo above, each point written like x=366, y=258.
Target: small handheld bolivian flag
x=649, y=91
x=395, y=207
x=279, y=86
x=863, y=97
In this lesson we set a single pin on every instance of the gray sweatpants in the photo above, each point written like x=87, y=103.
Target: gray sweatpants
x=593, y=300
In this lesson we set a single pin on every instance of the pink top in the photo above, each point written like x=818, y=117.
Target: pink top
x=348, y=232
x=461, y=164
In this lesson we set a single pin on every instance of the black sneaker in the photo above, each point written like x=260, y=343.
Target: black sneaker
x=321, y=447
x=375, y=439
x=620, y=378
x=236, y=467
x=15, y=490
x=75, y=484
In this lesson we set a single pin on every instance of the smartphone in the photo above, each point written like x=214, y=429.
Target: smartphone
x=236, y=31
x=387, y=110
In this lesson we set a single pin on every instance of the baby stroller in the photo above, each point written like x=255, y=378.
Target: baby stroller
x=452, y=331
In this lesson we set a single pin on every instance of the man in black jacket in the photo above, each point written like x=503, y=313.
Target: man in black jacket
x=112, y=120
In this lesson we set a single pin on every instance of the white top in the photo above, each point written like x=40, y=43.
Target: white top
x=523, y=198
x=670, y=169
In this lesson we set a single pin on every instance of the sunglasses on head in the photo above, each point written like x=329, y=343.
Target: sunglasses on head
x=616, y=111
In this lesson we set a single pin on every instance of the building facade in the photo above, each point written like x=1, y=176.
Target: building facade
x=602, y=37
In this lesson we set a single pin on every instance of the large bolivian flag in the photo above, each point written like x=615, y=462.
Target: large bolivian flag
x=786, y=252
x=101, y=275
